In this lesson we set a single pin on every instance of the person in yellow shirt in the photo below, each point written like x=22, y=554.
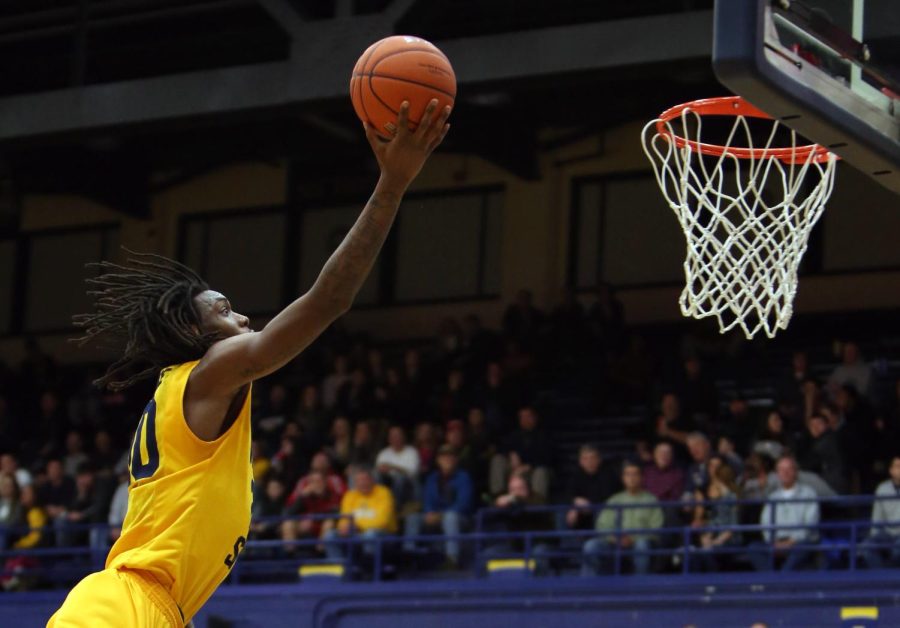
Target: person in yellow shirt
x=35, y=517
x=190, y=490
x=371, y=507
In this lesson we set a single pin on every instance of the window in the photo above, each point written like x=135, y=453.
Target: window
x=56, y=274
x=240, y=255
x=861, y=223
x=449, y=246
x=443, y=246
x=322, y=231
x=623, y=233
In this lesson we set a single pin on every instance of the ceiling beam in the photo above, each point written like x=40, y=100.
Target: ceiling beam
x=318, y=70
x=286, y=16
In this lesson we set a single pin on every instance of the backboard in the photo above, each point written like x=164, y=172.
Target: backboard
x=830, y=69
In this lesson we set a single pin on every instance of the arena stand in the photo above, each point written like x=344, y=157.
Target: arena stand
x=50, y=412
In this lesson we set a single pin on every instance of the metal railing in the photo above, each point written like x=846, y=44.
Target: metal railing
x=845, y=536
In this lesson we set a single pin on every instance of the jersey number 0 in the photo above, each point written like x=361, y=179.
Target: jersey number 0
x=146, y=432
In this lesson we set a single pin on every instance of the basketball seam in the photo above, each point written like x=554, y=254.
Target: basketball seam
x=362, y=101
x=434, y=51
x=406, y=80
x=400, y=52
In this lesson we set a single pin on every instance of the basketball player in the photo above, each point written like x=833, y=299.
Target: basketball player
x=190, y=492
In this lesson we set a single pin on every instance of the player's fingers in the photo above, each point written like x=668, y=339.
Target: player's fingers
x=437, y=142
x=425, y=122
x=403, y=118
x=371, y=135
x=437, y=129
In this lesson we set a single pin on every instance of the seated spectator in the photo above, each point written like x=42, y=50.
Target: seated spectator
x=9, y=463
x=740, y=425
x=591, y=484
x=75, y=455
x=105, y=456
x=498, y=397
x=824, y=456
x=34, y=517
x=19, y=574
x=483, y=446
x=273, y=415
x=671, y=426
x=789, y=389
x=340, y=447
x=522, y=321
x=720, y=510
x=884, y=540
x=426, y=442
x=321, y=464
x=364, y=448
x=118, y=508
x=317, y=493
x=291, y=457
x=372, y=509
x=87, y=506
x=663, y=479
x=10, y=426
x=854, y=425
x=453, y=400
x=640, y=512
x=852, y=370
x=397, y=466
x=268, y=504
x=261, y=463
x=883, y=444
x=631, y=373
x=773, y=439
x=725, y=448
x=528, y=452
x=10, y=508
x=697, y=476
x=513, y=515
x=57, y=491
x=355, y=397
x=448, y=503
x=794, y=523
x=606, y=320
x=334, y=381
x=697, y=392
x=568, y=327
x=311, y=416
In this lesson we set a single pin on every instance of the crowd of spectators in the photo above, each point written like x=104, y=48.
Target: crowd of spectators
x=408, y=440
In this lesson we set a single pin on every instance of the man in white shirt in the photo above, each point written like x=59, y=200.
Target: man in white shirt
x=397, y=466
x=793, y=522
x=884, y=540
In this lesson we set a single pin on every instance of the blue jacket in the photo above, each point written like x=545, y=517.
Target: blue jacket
x=455, y=495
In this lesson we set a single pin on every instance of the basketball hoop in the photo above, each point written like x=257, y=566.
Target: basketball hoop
x=746, y=211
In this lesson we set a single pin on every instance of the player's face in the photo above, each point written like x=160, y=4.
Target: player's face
x=217, y=316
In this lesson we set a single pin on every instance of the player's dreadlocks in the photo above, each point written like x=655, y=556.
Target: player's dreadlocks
x=148, y=304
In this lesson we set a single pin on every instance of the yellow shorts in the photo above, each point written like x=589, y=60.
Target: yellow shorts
x=118, y=598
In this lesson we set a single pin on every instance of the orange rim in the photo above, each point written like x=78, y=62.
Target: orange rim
x=734, y=106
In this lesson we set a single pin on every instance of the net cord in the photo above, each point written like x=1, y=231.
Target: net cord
x=743, y=252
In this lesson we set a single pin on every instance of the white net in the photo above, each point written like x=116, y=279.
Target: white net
x=747, y=221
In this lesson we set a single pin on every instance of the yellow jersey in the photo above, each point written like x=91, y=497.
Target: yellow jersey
x=374, y=511
x=189, y=500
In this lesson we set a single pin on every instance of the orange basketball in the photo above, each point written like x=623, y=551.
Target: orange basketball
x=400, y=68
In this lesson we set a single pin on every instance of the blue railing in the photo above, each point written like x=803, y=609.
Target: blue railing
x=840, y=542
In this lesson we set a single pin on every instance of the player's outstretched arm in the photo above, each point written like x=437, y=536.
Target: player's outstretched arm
x=236, y=361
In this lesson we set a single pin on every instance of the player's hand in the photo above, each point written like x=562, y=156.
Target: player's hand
x=402, y=157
